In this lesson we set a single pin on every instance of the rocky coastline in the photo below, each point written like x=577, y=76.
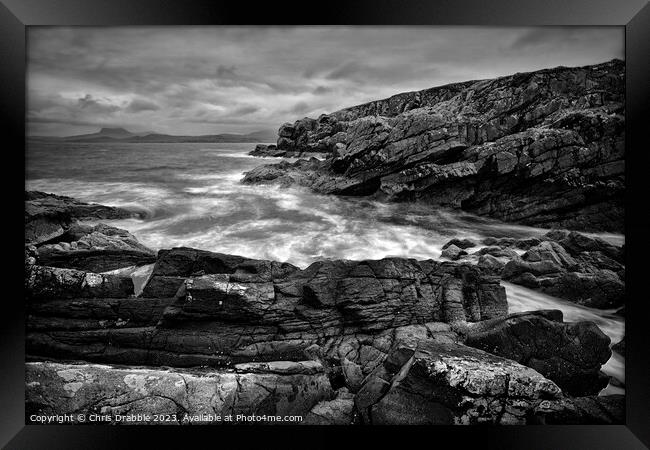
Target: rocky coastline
x=389, y=341
x=544, y=148
x=272, y=151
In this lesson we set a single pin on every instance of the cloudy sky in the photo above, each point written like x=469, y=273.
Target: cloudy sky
x=205, y=80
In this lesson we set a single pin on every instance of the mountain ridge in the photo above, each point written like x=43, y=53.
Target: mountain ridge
x=118, y=134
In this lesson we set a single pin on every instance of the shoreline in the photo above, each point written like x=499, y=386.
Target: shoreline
x=456, y=310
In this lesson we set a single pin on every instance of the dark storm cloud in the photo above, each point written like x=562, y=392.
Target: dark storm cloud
x=138, y=105
x=321, y=90
x=195, y=80
x=544, y=36
x=347, y=70
x=226, y=72
x=299, y=108
x=247, y=109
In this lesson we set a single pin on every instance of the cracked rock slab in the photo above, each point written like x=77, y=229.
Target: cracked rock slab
x=56, y=388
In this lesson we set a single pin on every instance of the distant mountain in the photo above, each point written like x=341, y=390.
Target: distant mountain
x=122, y=135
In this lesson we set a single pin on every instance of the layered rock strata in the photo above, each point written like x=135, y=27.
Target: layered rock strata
x=543, y=148
x=56, y=235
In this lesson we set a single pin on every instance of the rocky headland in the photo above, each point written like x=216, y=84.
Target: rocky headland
x=389, y=341
x=543, y=148
x=272, y=151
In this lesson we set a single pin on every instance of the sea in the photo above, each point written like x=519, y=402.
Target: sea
x=190, y=194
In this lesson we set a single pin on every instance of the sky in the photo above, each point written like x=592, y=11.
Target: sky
x=217, y=79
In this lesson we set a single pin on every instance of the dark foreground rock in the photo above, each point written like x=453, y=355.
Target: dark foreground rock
x=427, y=383
x=203, y=308
x=543, y=148
x=593, y=410
x=189, y=398
x=570, y=354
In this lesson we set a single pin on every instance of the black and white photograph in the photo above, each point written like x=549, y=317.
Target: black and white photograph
x=325, y=225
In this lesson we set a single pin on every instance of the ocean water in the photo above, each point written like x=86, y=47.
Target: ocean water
x=191, y=195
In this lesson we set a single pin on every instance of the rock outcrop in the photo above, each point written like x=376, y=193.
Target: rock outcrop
x=543, y=148
x=57, y=237
x=47, y=216
x=429, y=383
x=272, y=151
x=264, y=150
x=570, y=354
x=203, y=308
x=569, y=265
x=98, y=248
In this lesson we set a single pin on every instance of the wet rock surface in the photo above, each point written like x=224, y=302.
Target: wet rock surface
x=570, y=354
x=98, y=248
x=544, y=148
x=570, y=265
x=48, y=216
x=565, y=264
x=58, y=238
x=272, y=151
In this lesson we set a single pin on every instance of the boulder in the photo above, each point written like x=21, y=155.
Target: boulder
x=491, y=264
x=577, y=243
x=460, y=243
x=570, y=354
x=452, y=252
x=430, y=383
x=497, y=252
x=573, y=267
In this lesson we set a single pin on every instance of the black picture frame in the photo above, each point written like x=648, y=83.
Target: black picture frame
x=16, y=15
